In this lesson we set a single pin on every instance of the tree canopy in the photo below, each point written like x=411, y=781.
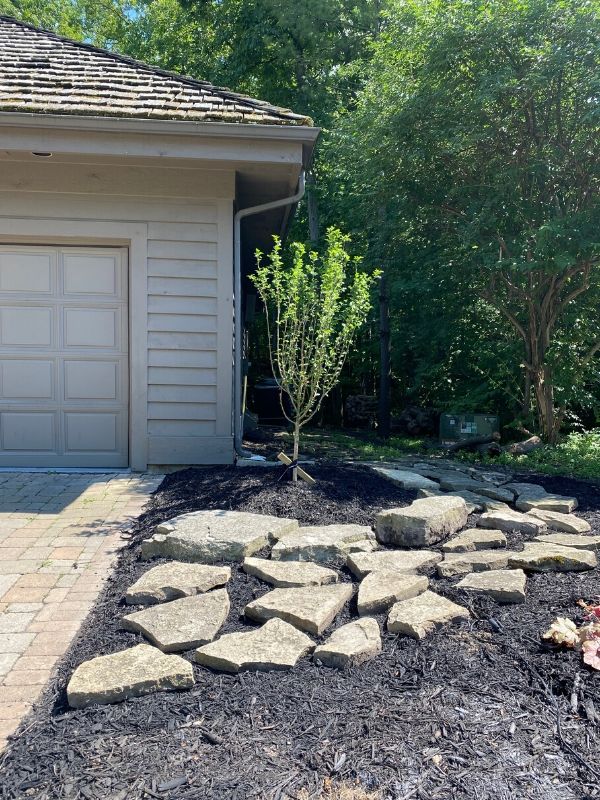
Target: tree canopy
x=459, y=149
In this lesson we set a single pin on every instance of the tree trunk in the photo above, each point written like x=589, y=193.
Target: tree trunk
x=550, y=417
x=312, y=208
x=384, y=360
x=296, y=451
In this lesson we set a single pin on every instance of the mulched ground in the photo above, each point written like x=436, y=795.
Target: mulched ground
x=479, y=710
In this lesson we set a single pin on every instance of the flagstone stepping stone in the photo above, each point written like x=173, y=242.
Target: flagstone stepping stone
x=421, y=615
x=571, y=540
x=323, y=543
x=310, y=608
x=380, y=590
x=129, y=673
x=509, y=520
x=532, y=496
x=475, y=502
x=285, y=574
x=564, y=523
x=497, y=478
x=181, y=624
x=406, y=479
x=423, y=522
x=276, y=645
x=360, y=564
x=174, y=580
x=503, y=586
x=438, y=473
x=475, y=539
x=477, y=561
x=463, y=484
x=352, y=644
x=545, y=557
x=212, y=536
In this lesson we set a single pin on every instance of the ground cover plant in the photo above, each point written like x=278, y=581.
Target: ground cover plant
x=578, y=455
x=484, y=709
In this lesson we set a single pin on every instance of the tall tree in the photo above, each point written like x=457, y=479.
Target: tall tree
x=479, y=127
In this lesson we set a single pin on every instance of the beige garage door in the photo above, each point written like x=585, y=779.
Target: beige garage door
x=64, y=372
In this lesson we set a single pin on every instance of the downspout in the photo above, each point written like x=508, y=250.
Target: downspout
x=238, y=423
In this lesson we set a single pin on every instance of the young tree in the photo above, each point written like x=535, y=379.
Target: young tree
x=314, y=309
x=478, y=130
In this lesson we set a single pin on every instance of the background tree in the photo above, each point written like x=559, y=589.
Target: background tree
x=479, y=128
x=314, y=308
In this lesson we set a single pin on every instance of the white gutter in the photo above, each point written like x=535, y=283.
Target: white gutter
x=238, y=422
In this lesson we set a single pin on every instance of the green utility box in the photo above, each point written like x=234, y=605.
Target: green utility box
x=457, y=427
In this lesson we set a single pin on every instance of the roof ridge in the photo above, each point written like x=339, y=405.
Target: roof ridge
x=187, y=80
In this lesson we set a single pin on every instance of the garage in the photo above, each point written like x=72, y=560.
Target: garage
x=132, y=202
x=64, y=373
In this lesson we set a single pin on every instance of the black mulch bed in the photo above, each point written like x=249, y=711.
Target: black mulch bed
x=478, y=710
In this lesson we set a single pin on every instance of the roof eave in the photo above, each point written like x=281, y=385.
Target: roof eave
x=237, y=130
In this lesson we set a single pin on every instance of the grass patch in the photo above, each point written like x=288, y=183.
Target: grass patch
x=577, y=456
x=356, y=445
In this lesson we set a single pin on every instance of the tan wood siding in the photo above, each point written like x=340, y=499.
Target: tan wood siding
x=188, y=278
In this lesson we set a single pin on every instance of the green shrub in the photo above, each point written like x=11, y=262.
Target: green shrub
x=578, y=455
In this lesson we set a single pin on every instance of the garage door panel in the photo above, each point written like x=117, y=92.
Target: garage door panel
x=27, y=379
x=92, y=327
x=91, y=274
x=31, y=431
x=91, y=380
x=91, y=432
x=21, y=326
x=26, y=271
x=64, y=371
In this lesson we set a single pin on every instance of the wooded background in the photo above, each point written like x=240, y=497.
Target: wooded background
x=460, y=150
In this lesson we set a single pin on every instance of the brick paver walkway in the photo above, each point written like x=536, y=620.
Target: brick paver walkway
x=59, y=534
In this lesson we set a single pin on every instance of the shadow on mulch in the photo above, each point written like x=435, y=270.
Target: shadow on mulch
x=477, y=710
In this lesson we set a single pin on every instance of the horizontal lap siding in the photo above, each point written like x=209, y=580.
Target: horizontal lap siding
x=183, y=342
x=189, y=287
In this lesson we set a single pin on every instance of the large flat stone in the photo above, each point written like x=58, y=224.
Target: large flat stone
x=380, y=590
x=512, y=521
x=323, y=543
x=275, y=645
x=475, y=502
x=475, y=539
x=421, y=615
x=532, y=496
x=310, y=608
x=129, y=673
x=423, y=522
x=360, y=564
x=352, y=644
x=497, y=478
x=545, y=557
x=406, y=479
x=181, y=624
x=173, y=580
x=285, y=574
x=503, y=586
x=571, y=540
x=563, y=523
x=477, y=561
x=212, y=536
x=464, y=484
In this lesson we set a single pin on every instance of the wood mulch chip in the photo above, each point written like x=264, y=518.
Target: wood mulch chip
x=481, y=710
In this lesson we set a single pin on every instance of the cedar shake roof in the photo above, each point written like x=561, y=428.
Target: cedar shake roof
x=43, y=73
